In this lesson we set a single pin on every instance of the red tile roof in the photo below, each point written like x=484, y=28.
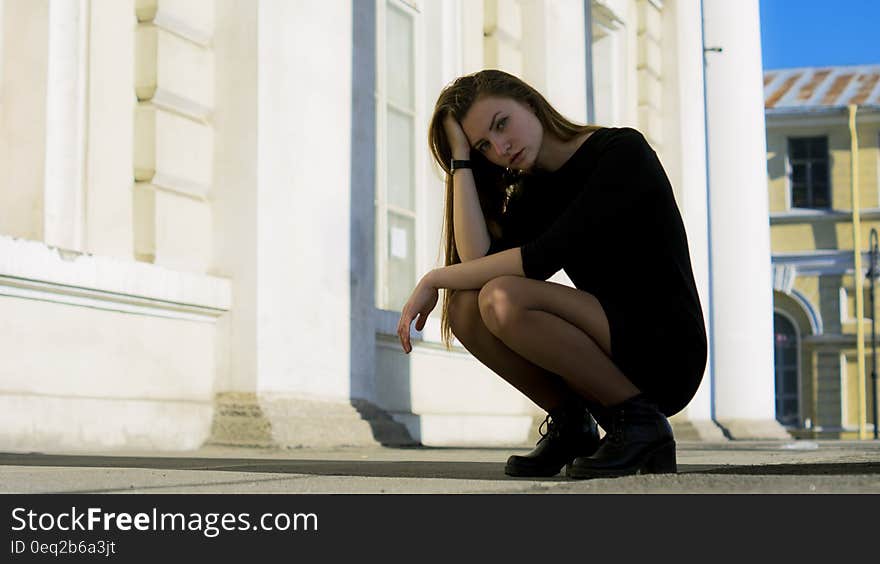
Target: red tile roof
x=821, y=87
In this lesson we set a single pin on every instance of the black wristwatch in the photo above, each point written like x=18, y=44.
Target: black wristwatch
x=457, y=164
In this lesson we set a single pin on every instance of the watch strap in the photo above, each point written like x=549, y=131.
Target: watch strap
x=458, y=163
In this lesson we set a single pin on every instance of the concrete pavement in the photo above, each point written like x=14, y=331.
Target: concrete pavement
x=728, y=467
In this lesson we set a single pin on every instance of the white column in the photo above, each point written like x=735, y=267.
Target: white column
x=109, y=223
x=472, y=17
x=534, y=44
x=553, y=53
x=739, y=222
x=233, y=194
x=281, y=202
x=65, y=124
x=23, y=117
x=2, y=39
x=303, y=197
x=684, y=158
x=553, y=61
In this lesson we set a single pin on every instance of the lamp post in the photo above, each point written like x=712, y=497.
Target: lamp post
x=874, y=273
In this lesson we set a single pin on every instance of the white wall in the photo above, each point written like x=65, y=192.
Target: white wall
x=103, y=353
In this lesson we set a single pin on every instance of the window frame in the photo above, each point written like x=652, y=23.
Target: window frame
x=382, y=206
x=789, y=171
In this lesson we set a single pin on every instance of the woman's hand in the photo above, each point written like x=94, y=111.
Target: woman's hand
x=458, y=142
x=420, y=303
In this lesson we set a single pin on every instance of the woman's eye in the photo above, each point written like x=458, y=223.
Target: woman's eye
x=482, y=147
x=501, y=123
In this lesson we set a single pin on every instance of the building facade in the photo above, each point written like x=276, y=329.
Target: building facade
x=211, y=210
x=818, y=121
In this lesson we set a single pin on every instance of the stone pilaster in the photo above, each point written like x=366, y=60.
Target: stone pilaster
x=649, y=71
x=174, y=134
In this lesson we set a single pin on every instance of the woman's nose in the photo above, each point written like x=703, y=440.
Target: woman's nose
x=501, y=147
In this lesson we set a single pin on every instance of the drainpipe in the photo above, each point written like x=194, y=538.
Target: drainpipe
x=857, y=255
x=588, y=52
x=710, y=318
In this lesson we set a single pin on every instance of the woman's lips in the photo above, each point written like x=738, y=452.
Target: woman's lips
x=517, y=157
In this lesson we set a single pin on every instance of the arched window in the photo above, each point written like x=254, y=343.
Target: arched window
x=785, y=349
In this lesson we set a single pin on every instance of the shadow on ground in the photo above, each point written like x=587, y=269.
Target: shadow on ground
x=809, y=469
x=394, y=469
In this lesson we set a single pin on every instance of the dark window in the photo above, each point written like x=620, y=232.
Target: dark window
x=810, y=185
x=785, y=350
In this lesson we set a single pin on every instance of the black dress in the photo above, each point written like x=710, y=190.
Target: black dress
x=608, y=218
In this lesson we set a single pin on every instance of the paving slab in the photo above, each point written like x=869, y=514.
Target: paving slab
x=728, y=467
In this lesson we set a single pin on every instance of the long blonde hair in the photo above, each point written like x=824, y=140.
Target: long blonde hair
x=494, y=183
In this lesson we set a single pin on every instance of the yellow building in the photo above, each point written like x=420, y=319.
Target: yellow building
x=810, y=144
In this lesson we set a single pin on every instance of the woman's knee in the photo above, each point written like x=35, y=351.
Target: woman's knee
x=497, y=302
x=464, y=313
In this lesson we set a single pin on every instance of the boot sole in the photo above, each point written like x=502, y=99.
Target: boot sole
x=521, y=471
x=659, y=460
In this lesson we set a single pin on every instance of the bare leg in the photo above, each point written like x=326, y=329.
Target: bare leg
x=543, y=387
x=561, y=329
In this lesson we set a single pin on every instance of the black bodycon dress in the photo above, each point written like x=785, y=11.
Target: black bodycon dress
x=608, y=218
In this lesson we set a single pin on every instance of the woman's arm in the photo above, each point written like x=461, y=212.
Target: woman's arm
x=471, y=234
x=469, y=275
x=469, y=225
x=474, y=274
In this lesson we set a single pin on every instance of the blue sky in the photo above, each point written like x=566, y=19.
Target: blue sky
x=805, y=33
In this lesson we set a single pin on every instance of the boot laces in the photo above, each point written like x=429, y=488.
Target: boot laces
x=617, y=428
x=552, y=428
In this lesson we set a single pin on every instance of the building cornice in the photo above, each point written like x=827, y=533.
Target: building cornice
x=821, y=216
x=785, y=118
x=818, y=262
x=33, y=270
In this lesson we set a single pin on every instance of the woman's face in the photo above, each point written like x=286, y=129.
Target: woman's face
x=505, y=131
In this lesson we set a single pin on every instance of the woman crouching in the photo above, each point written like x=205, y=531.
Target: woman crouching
x=529, y=193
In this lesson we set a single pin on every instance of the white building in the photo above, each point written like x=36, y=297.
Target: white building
x=211, y=209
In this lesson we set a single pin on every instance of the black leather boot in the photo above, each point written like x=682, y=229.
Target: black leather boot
x=600, y=413
x=571, y=432
x=639, y=441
